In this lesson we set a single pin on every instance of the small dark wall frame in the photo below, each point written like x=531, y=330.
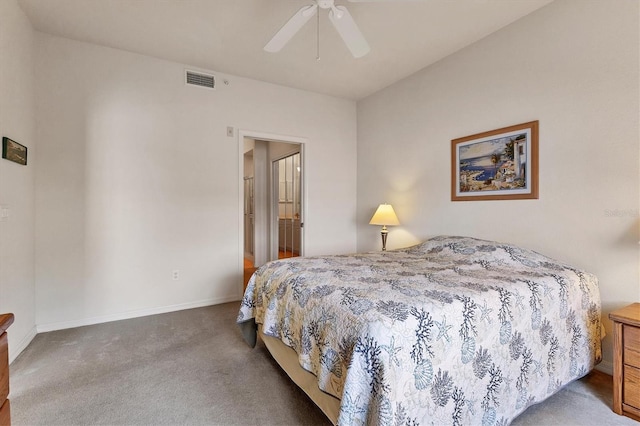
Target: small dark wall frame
x=13, y=151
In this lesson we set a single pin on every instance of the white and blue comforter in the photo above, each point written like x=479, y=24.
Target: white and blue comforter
x=451, y=331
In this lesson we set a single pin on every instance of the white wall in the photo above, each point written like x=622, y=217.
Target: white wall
x=572, y=65
x=139, y=178
x=17, y=182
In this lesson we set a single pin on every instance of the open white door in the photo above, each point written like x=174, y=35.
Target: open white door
x=287, y=206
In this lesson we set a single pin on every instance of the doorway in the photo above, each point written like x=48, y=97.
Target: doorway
x=272, y=199
x=287, y=188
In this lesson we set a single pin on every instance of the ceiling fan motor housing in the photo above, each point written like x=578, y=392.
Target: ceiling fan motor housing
x=325, y=4
x=337, y=11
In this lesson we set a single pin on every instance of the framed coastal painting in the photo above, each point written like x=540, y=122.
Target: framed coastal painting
x=500, y=164
x=13, y=151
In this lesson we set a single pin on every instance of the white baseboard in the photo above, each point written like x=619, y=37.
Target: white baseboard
x=43, y=328
x=14, y=350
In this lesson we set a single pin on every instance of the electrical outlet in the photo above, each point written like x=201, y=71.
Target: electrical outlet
x=176, y=274
x=230, y=131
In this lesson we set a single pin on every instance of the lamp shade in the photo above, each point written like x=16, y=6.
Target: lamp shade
x=384, y=216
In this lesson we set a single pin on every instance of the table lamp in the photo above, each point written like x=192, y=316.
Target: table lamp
x=384, y=216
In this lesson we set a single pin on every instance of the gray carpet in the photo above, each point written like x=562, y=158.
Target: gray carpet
x=192, y=367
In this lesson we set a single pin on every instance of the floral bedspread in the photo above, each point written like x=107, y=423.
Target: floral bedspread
x=451, y=331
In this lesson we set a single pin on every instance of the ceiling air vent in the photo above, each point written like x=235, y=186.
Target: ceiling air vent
x=200, y=79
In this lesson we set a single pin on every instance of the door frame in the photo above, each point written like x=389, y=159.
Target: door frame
x=270, y=137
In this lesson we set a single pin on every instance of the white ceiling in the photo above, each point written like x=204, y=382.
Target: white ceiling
x=227, y=36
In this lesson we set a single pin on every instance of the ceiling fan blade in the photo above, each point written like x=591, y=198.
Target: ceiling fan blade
x=349, y=31
x=289, y=29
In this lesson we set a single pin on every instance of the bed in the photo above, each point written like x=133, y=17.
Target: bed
x=454, y=330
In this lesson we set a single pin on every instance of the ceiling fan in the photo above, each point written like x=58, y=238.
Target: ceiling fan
x=339, y=17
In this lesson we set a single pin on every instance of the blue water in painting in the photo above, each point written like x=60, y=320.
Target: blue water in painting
x=472, y=165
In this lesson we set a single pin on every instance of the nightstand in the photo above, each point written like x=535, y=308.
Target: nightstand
x=626, y=361
x=5, y=410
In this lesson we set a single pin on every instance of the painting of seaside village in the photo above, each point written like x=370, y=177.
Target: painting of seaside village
x=496, y=165
x=493, y=165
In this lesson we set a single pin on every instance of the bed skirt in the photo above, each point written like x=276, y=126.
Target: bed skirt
x=288, y=361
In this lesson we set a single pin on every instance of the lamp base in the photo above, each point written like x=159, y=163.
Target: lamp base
x=383, y=233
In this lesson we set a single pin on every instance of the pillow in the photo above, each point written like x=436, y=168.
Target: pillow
x=476, y=250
